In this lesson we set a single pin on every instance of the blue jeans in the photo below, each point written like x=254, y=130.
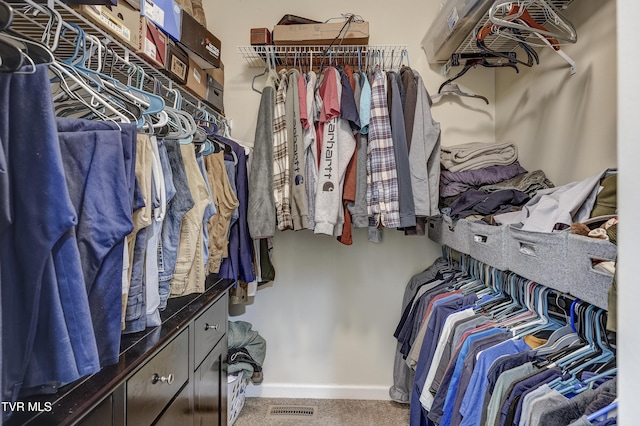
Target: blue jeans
x=96, y=164
x=179, y=205
x=136, y=310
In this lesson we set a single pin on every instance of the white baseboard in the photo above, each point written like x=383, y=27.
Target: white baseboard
x=288, y=390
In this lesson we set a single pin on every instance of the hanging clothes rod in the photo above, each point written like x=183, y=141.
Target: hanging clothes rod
x=387, y=56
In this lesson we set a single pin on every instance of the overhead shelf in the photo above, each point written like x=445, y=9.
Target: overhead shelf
x=455, y=29
x=388, y=56
x=32, y=22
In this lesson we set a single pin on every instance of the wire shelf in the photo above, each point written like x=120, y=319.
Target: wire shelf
x=35, y=24
x=504, y=42
x=388, y=56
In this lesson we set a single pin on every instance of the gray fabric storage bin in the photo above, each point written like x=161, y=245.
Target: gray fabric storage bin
x=434, y=228
x=586, y=283
x=539, y=256
x=488, y=244
x=457, y=237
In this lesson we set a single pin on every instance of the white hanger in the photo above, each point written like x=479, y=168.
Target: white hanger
x=499, y=15
x=453, y=89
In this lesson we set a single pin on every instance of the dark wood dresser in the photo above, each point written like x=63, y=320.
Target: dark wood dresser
x=173, y=374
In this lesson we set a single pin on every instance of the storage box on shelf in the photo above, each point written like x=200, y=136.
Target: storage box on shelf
x=196, y=80
x=166, y=14
x=153, y=43
x=261, y=37
x=434, y=228
x=319, y=34
x=488, y=244
x=539, y=256
x=215, y=93
x=457, y=236
x=122, y=20
x=586, y=283
x=177, y=65
x=203, y=47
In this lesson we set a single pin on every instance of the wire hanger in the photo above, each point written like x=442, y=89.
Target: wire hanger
x=453, y=89
x=268, y=64
x=6, y=15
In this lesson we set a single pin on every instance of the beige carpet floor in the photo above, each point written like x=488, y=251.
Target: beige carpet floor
x=329, y=412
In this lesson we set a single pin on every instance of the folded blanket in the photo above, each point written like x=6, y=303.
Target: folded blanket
x=476, y=155
x=530, y=183
x=454, y=183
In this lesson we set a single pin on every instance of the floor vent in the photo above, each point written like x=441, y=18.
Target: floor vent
x=292, y=412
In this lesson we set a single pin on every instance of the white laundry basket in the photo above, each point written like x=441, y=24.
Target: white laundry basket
x=236, y=386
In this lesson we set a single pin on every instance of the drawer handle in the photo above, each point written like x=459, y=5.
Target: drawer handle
x=208, y=327
x=157, y=378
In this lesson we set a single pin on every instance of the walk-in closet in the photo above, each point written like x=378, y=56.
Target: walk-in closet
x=350, y=213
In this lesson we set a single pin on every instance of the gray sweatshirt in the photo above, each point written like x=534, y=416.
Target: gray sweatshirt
x=261, y=208
x=338, y=146
x=424, y=155
x=299, y=210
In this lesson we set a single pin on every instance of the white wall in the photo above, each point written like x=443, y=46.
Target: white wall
x=566, y=124
x=329, y=334
x=629, y=205
x=329, y=316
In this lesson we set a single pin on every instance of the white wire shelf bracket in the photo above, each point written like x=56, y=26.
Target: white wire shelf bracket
x=387, y=56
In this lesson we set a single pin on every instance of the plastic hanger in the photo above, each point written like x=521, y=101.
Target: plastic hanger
x=453, y=89
x=603, y=411
x=519, y=18
x=53, y=29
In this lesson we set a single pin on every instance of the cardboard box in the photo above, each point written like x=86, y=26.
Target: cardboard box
x=122, y=21
x=217, y=74
x=153, y=43
x=320, y=34
x=204, y=46
x=196, y=80
x=177, y=64
x=166, y=14
x=215, y=94
x=260, y=37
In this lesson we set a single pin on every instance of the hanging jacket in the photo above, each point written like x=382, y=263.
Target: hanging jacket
x=424, y=155
x=261, y=213
x=405, y=191
x=310, y=148
x=338, y=145
x=299, y=210
x=382, y=178
x=281, y=178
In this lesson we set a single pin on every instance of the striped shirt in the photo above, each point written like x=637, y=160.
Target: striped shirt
x=281, y=180
x=382, y=178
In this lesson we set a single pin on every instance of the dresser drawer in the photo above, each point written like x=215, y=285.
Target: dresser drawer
x=152, y=387
x=210, y=327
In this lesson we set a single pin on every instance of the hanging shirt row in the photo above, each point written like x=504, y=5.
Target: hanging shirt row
x=487, y=347
x=100, y=226
x=344, y=149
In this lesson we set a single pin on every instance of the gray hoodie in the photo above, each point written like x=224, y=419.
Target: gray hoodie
x=261, y=209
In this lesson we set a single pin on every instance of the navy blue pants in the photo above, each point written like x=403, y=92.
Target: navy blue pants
x=47, y=336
